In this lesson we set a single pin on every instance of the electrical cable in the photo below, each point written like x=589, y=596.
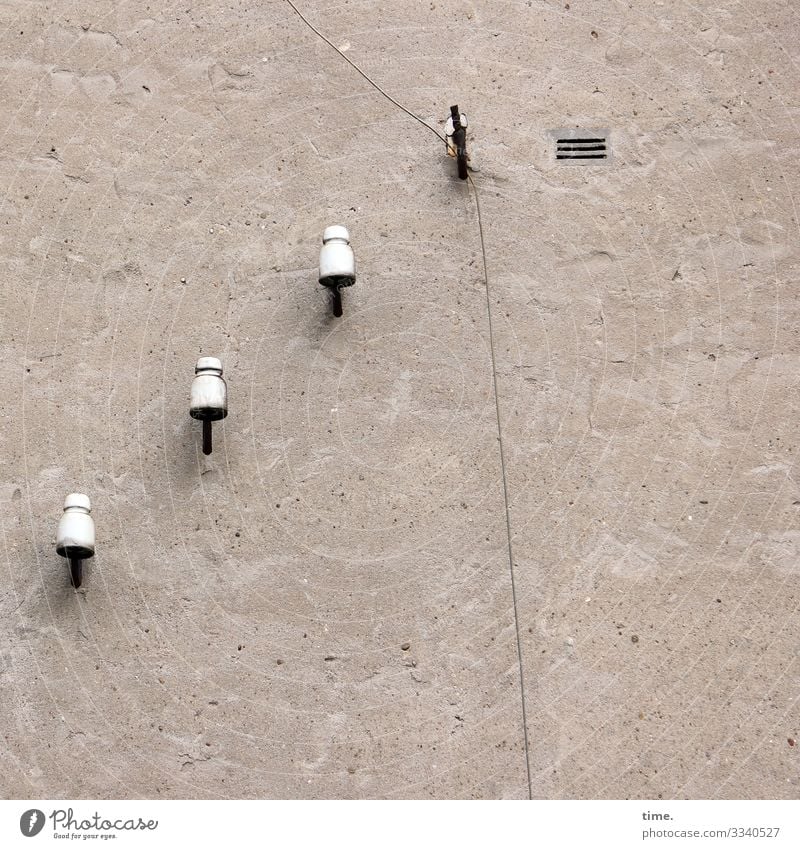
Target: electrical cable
x=494, y=380
x=365, y=76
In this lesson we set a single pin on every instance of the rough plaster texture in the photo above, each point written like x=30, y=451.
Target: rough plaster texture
x=323, y=608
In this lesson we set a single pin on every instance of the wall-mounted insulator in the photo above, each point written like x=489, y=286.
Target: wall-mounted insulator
x=75, y=536
x=209, y=401
x=456, y=134
x=337, y=264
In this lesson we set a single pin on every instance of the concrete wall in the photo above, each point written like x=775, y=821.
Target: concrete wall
x=324, y=606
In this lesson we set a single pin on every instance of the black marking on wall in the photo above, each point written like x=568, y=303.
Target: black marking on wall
x=581, y=147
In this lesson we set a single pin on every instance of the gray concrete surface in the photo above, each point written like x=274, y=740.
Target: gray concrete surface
x=324, y=607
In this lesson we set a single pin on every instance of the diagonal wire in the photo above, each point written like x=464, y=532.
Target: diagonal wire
x=505, y=487
x=368, y=79
x=494, y=381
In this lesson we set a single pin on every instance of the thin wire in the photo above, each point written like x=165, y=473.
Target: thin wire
x=505, y=486
x=494, y=382
x=367, y=78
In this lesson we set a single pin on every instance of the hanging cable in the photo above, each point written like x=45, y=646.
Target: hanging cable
x=494, y=380
x=365, y=76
